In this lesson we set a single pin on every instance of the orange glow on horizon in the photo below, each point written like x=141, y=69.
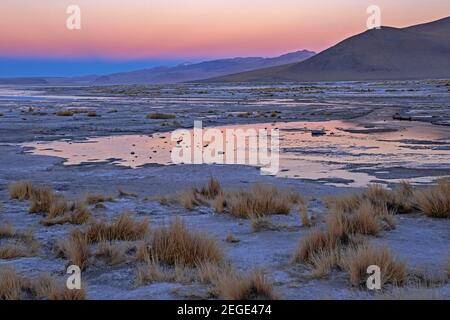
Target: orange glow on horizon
x=194, y=28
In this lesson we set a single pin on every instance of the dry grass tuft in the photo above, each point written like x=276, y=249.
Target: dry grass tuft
x=306, y=221
x=42, y=198
x=94, y=198
x=318, y=241
x=176, y=245
x=15, y=287
x=112, y=254
x=17, y=244
x=435, y=201
x=21, y=190
x=253, y=286
x=46, y=287
x=211, y=190
x=262, y=223
x=124, y=228
x=75, y=249
x=260, y=200
x=357, y=259
x=11, y=284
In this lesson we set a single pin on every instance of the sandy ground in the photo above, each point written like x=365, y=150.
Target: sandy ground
x=423, y=242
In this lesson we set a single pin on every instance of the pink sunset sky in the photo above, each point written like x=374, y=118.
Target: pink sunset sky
x=137, y=29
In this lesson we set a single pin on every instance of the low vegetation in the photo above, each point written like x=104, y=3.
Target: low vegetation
x=176, y=245
x=16, y=287
x=356, y=260
x=125, y=228
x=55, y=207
x=157, y=115
x=16, y=243
x=435, y=201
x=256, y=202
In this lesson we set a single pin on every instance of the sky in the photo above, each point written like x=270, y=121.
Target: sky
x=119, y=35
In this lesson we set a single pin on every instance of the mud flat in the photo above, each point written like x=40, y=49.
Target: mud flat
x=81, y=140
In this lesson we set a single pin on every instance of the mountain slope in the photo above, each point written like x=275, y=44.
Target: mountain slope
x=416, y=52
x=199, y=71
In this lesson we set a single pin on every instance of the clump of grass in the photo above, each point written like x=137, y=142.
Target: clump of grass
x=42, y=199
x=46, y=287
x=211, y=190
x=435, y=201
x=21, y=190
x=17, y=244
x=260, y=200
x=262, y=223
x=318, y=241
x=158, y=115
x=113, y=254
x=75, y=248
x=15, y=287
x=14, y=250
x=366, y=220
x=65, y=113
x=76, y=213
x=305, y=219
x=175, y=244
x=357, y=259
x=94, y=198
x=124, y=228
x=11, y=284
x=253, y=286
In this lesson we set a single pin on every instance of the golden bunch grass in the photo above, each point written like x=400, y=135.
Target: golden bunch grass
x=113, y=254
x=318, y=241
x=124, y=228
x=75, y=248
x=152, y=271
x=176, y=245
x=262, y=223
x=252, y=286
x=435, y=201
x=46, y=287
x=18, y=243
x=75, y=213
x=305, y=219
x=42, y=199
x=15, y=287
x=21, y=190
x=94, y=198
x=11, y=284
x=260, y=200
x=211, y=190
x=357, y=259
